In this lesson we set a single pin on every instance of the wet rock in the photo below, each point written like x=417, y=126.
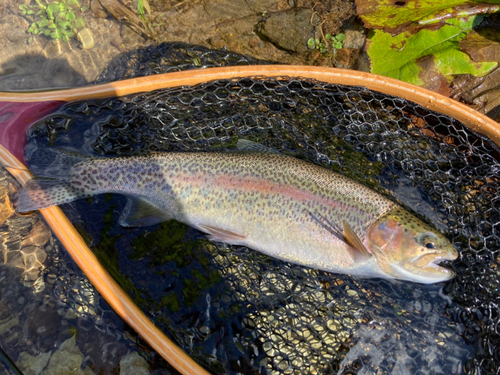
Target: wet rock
x=8, y=325
x=86, y=37
x=39, y=235
x=97, y=9
x=67, y=360
x=13, y=259
x=133, y=364
x=33, y=254
x=354, y=39
x=4, y=311
x=16, y=30
x=15, y=35
x=258, y=6
x=13, y=337
x=129, y=37
x=20, y=224
x=33, y=258
x=288, y=30
x=32, y=365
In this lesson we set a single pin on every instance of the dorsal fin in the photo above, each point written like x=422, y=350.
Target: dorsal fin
x=244, y=145
x=359, y=250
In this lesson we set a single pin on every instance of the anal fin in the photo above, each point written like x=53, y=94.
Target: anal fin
x=141, y=213
x=222, y=235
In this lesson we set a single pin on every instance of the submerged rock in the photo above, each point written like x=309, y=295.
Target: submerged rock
x=32, y=365
x=67, y=360
x=39, y=235
x=133, y=364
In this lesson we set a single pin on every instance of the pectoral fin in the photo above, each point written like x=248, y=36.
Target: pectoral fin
x=222, y=235
x=140, y=213
x=358, y=250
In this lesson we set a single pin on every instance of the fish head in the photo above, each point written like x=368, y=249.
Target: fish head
x=406, y=248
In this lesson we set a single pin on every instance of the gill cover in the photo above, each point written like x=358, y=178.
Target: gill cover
x=406, y=248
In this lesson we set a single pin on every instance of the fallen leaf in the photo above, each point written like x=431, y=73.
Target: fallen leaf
x=6, y=209
x=395, y=15
x=406, y=56
x=482, y=45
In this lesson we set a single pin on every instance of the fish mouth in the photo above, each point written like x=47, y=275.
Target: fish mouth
x=436, y=263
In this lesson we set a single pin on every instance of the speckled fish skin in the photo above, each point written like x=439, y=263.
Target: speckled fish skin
x=281, y=206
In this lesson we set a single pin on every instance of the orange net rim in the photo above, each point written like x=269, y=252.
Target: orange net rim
x=86, y=259
x=476, y=121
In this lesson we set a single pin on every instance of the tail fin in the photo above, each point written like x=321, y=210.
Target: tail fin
x=41, y=193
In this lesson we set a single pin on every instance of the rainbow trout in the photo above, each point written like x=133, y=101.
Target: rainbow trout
x=281, y=206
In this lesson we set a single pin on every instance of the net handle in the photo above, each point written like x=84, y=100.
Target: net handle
x=476, y=121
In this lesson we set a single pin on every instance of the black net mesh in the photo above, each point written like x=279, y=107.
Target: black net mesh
x=237, y=311
x=170, y=57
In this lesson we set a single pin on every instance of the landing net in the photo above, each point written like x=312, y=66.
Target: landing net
x=237, y=311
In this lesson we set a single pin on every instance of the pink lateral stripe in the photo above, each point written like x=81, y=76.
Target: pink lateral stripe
x=262, y=186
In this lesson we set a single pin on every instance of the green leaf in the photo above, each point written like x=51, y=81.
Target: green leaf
x=30, y=40
x=140, y=8
x=70, y=16
x=65, y=38
x=70, y=33
x=64, y=24
x=338, y=45
x=47, y=32
x=84, y=8
x=391, y=14
x=52, y=26
x=79, y=23
x=340, y=37
x=402, y=56
x=43, y=23
x=56, y=34
x=311, y=43
x=328, y=36
x=30, y=12
x=53, y=7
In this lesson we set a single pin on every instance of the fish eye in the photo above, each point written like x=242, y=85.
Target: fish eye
x=430, y=245
x=429, y=240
